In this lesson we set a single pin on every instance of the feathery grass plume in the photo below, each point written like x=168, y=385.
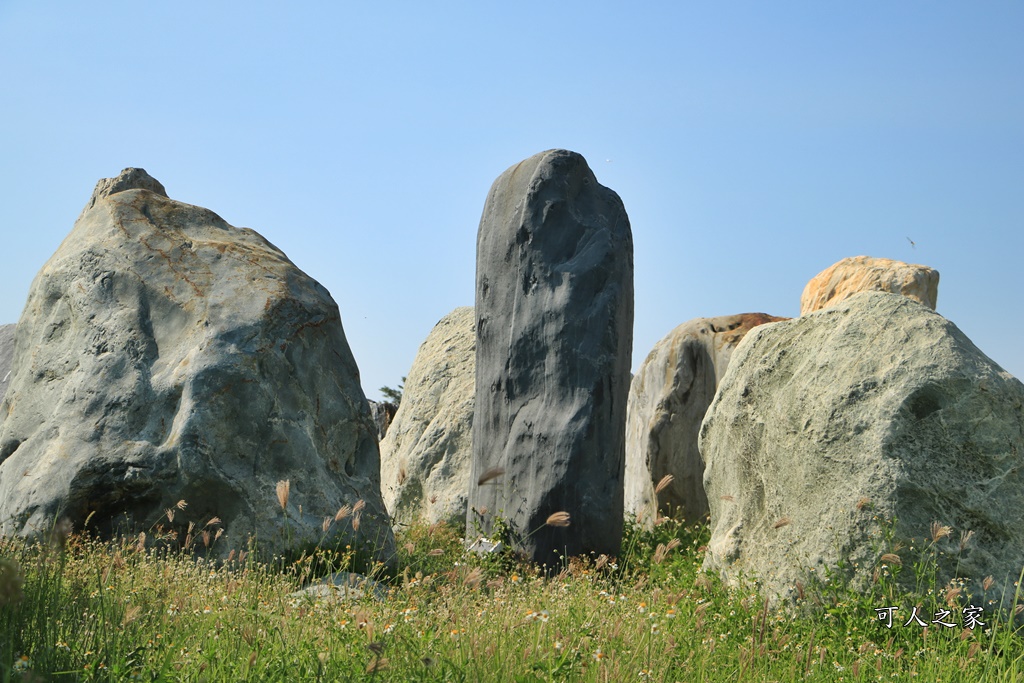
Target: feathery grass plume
x=940, y=531
x=782, y=522
x=170, y=515
x=659, y=553
x=965, y=538
x=602, y=560
x=436, y=552
x=181, y=505
x=952, y=593
x=356, y=521
x=284, y=488
x=326, y=523
x=492, y=473
x=800, y=590
x=359, y=506
x=664, y=483
x=987, y=583
x=892, y=558
x=474, y=577
x=206, y=538
x=140, y=543
x=342, y=513
x=213, y=520
x=558, y=519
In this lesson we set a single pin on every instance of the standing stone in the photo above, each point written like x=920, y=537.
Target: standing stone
x=426, y=455
x=554, y=320
x=668, y=398
x=867, y=274
x=6, y=355
x=164, y=355
x=828, y=426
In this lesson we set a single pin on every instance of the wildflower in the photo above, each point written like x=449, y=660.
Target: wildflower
x=599, y=655
x=559, y=646
x=670, y=613
x=655, y=629
x=454, y=633
x=22, y=663
x=642, y=607
x=544, y=616
x=388, y=628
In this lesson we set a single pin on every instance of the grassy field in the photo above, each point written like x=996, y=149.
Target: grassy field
x=79, y=609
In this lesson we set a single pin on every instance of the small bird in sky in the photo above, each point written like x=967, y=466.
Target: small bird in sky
x=912, y=245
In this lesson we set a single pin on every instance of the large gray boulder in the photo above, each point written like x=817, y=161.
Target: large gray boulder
x=554, y=318
x=164, y=355
x=827, y=427
x=6, y=355
x=668, y=398
x=426, y=454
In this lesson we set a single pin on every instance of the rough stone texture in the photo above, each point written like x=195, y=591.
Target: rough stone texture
x=164, y=355
x=554, y=315
x=6, y=355
x=668, y=398
x=425, y=457
x=877, y=406
x=867, y=274
x=382, y=413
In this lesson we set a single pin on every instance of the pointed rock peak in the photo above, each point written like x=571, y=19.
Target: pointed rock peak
x=129, y=179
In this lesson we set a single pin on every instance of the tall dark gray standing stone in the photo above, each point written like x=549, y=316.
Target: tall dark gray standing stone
x=554, y=318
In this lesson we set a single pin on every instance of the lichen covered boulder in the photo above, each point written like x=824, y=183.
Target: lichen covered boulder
x=165, y=355
x=827, y=427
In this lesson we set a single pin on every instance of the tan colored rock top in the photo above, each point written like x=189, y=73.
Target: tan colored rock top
x=866, y=274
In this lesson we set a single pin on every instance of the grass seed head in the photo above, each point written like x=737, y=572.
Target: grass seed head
x=663, y=483
x=558, y=519
x=492, y=473
x=284, y=488
x=940, y=531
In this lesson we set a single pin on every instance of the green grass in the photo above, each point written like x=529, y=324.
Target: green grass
x=117, y=611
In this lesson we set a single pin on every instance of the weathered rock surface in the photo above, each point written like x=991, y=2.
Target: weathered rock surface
x=668, y=398
x=6, y=355
x=867, y=274
x=426, y=455
x=554, y=317
x=382, y=413
x=874, y=409
x=164, y=355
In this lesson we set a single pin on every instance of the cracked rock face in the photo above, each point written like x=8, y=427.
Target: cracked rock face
x=554, y=319
x=165, y=355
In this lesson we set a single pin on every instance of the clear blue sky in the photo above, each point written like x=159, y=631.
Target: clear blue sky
x=753, y=144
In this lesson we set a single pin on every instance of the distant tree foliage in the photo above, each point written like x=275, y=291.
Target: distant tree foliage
x=394, y=395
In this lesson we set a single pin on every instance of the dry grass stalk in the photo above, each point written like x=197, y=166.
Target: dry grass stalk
x=131, y=614
x=342, y=513
x=940, y=531
x=474, y=577
x=800, y=590
x=409, y=548
x=181, y=505
x=892, y=558
x=673, y=544
x=213, y=520
x=492, y=473
x=952, y=593
x=358, y=507
x=376, y=665
x=356, y=521
x=284, y=488
x=659, y=553
x=602, y=560
x=987, y=583
x=664, y=483
x=558, y=519
x=965, y=538
x=782, y=522
x=170, y=515
x=436, y=552
x=326, y=524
